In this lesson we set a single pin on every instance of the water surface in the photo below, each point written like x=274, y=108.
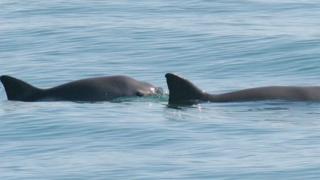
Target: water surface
x=219, y=45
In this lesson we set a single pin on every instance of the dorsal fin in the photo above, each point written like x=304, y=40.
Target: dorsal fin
x=181, y=90
x=19, y=90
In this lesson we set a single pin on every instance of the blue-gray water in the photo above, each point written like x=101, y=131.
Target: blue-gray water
x=220, y=45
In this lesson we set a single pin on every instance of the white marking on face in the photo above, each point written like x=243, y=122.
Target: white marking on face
x=153, y=90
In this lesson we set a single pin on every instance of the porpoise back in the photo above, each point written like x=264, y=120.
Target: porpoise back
x=182, y=91
x=91, y=89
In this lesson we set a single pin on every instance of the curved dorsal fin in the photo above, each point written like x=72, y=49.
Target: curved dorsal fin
x=181, y=90
x=19, y=90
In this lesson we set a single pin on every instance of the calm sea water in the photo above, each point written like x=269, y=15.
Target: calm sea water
x=220, y=45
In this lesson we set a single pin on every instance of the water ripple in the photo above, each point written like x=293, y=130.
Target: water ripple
x=219, y=45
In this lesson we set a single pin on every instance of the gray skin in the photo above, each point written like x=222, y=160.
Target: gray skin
x=85, y=90
x=182, y=91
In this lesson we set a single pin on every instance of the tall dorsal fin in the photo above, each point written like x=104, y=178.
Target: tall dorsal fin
x=181, y=90
x=19, y=90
